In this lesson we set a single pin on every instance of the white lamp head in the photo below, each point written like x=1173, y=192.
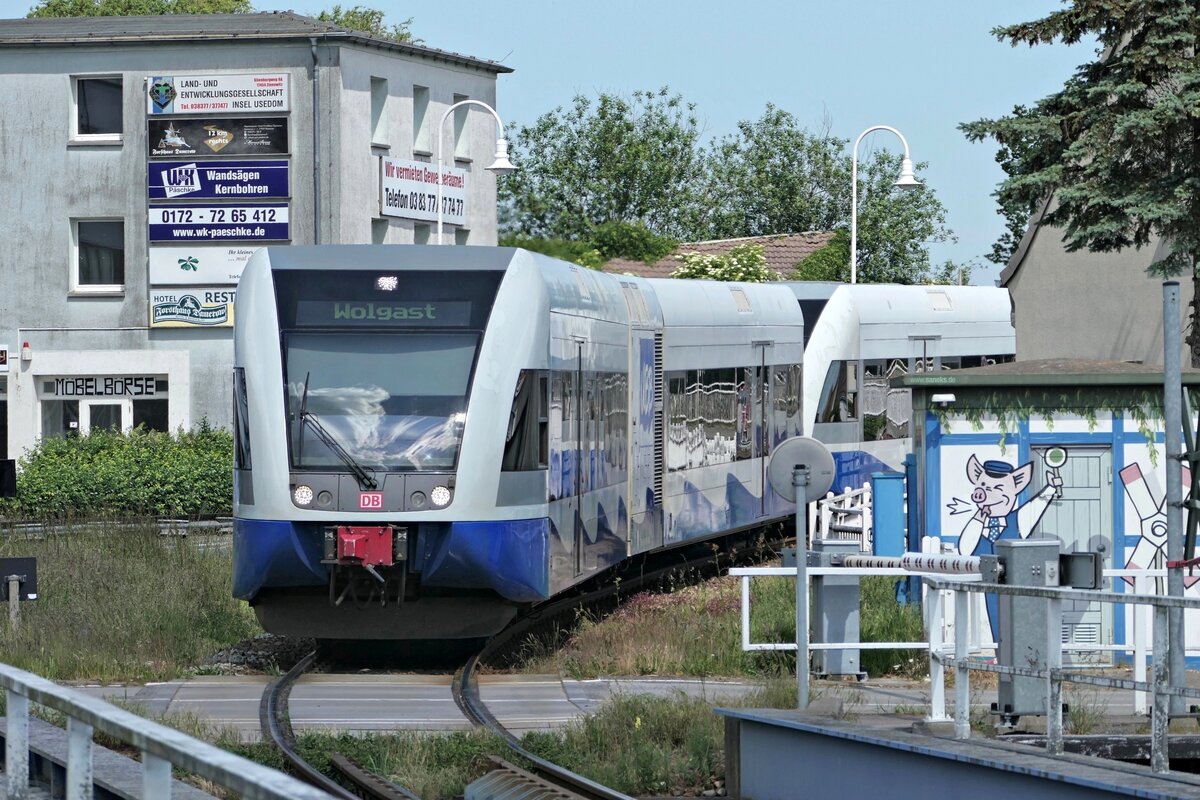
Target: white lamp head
x=907, y=180
x=502, y=166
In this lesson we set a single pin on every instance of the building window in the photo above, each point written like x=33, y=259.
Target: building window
x=420, y=234
x=99, y=262
x=97, y=116
x=379, y=122
x=462, y=148
x=421, y=120
x=461, y=235
x=379, y=231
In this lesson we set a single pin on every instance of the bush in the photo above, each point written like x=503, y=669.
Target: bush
x=581, y=253
x=632, y=240
x=140, y=473
x=743, y=263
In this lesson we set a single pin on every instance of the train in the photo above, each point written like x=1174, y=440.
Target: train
x=428, y=439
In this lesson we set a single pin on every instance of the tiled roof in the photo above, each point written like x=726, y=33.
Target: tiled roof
x=164, y=28
x=782, y=251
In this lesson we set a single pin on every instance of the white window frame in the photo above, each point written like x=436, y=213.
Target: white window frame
x=422, y=141
x=95, y=289
x=379, y=112
x=95, y=138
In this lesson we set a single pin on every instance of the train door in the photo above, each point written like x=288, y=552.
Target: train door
x=580, y=455
x=645, y=457
x=1081, y=518
x=760, y=411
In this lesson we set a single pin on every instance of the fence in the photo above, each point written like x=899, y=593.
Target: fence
x=161, y=747
x=943, y=594
x=845, y=516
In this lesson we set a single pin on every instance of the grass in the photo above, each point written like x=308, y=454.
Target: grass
x=122, y=603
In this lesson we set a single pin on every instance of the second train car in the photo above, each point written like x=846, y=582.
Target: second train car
x=429, y=438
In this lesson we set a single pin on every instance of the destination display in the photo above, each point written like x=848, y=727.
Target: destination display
x=398, y=313
x=260, y=222
x=198, y=265
x=198, y=307
x=409, y=189
x=199, y=94
x=218, y=180
x=221, y=136
x=144, y=386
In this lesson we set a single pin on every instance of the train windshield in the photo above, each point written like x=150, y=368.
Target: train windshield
x=392, y=401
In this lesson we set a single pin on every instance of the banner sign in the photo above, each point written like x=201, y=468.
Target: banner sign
x=409, y=189
x=259, y=222
x=201, y=94
x=225, y=136
x=198, y=265
x=144, y=386
x=217, y=180
x=194, y=307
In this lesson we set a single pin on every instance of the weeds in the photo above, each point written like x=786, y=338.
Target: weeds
x=1087, y=712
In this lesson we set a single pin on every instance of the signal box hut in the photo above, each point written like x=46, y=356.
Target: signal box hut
x=1051, y=448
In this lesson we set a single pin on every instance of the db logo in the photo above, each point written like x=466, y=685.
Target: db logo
x=370, y=501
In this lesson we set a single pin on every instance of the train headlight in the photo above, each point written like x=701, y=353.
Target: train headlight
x=440, y=496
x=387, y=283
x=302, y=495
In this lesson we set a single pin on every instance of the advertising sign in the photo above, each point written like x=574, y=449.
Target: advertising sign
x=198, y=265
x=258, y=222
x=409, y=189
x=3, y=358
x=223, y=136
x=201, y=94
x=217, y=180
x=193, y=307
x=142, y=386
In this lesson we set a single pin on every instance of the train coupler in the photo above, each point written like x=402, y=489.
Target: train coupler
x=369, y=548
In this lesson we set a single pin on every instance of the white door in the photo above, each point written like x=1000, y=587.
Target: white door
x=112, y=414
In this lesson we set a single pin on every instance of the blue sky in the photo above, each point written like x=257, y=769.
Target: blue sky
x=921, y=66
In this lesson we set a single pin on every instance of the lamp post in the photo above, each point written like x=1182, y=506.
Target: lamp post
x=906, y=181
x=501, y=165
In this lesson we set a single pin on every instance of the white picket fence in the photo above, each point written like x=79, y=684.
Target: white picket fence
x=845, y=516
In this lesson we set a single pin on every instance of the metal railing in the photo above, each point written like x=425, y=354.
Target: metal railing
x=161, y=747
x=943, y=591
x=846, y=516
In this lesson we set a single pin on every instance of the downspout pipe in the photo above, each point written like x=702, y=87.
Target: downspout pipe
x=316, y=116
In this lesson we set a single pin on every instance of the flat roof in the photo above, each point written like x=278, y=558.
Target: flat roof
x=1047, y=372
x=254, y=26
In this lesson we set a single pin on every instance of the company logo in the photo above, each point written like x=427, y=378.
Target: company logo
x=181, y=180
x=162, y=93
x=189, y=310
x=217, y=138
x=189, y=263
x=171, y=139
x=370, y=501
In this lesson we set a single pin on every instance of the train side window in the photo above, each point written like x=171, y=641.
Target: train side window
x=677, y=418
x=744, y=431
x=524, y=444
x=241, y=421
x=840, y=393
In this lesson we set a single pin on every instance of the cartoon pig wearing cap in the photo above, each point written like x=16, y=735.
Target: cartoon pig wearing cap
x=997, y=516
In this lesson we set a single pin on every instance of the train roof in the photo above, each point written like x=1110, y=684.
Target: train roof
x=893, y=303
x=703, y=303
x=394, y=256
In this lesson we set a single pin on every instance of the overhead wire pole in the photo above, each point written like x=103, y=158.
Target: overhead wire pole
x=1173, y=427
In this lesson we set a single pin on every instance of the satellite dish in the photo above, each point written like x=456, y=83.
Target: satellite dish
x=801, y=450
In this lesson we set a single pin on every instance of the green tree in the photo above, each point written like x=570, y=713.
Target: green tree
x=743, y=263
x=830, y=263
x=368, y=20
x=612, y=160
x=113, y=8
x=1118, y=147
x=773, y=176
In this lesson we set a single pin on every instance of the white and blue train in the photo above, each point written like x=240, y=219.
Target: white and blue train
x=429, y=438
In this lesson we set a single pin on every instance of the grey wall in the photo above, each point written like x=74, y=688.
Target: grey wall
x=1089, y=305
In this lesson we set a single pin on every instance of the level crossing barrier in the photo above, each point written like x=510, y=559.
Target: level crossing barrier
x=161, y=747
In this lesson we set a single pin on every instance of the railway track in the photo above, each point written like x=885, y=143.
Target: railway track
x=552, y=779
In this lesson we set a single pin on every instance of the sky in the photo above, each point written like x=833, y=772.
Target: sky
x=920, y=66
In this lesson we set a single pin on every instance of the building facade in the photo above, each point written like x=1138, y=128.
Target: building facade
x=145, y=158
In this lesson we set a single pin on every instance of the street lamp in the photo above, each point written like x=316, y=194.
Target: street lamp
x=906, y=181
x=501, y=165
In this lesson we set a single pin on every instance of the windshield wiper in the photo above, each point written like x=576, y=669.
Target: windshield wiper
x=366, y=481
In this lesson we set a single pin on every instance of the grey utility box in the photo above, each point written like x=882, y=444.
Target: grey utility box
x=1024, y=625
x=835, y=608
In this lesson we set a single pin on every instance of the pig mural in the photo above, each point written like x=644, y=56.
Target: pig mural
x=996, y=487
